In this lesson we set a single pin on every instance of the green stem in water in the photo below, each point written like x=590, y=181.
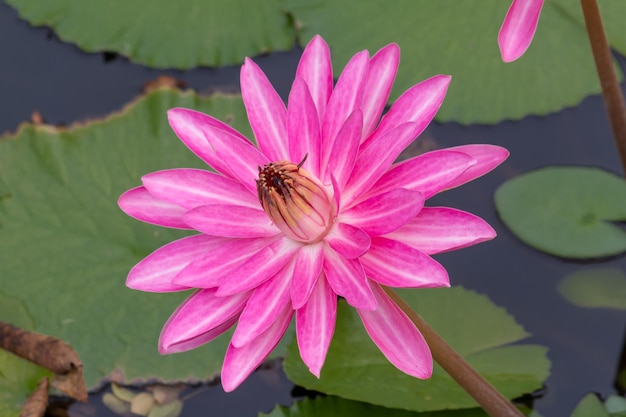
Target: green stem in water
x=611, y=92
x=494, y=403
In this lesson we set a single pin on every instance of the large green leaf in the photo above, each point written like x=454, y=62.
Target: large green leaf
x=65, y=247
x=595, y=288
x=340, y=407
x=444, y=36
x=18, y=377
x=164, y=34
x=566, y=211
x=460, y=38
x=477, y=329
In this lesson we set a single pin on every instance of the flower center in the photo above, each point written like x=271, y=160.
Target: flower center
x=295, y=200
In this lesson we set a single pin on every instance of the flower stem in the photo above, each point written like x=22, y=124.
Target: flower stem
x=494, y=403
x=613, y=98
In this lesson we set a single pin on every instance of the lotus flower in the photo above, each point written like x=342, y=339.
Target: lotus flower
x=518, y=28
x=317, y=210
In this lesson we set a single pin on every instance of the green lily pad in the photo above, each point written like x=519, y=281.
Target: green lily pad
x=460, y=38
x=469, y=322
x=66, y=248
x=446, y=36
x=340, y=407
x=590, y=406
x=616, y=405
x=595, y=288
x=612, y=18
x=566, y=211
x=18, y=377
x=166, y=34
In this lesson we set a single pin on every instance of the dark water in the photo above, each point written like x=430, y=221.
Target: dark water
x=39, y=72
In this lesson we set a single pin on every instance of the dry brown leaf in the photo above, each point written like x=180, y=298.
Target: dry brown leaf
x=72, y=383
x=35, y=405
x=50, y=353
x=164, y=81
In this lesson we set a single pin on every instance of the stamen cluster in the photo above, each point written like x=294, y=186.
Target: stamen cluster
x=294, y=200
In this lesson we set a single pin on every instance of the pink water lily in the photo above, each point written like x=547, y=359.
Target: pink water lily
x=518, y=28
x=318, y=210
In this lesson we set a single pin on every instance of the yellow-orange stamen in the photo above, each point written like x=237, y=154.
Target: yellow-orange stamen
x=294, y=200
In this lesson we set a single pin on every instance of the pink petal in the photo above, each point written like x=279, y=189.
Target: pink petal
x=385, y=212
x=263, y=308
x=190, y=126
x=345, y=98
x=336, y=192
x=266, y=112
x=382, y=73
x=395, y=264
x=442, y=229
x=349, y=241
x=231, y=221
x=260, y=267
x=316, y=70
x=397, y=337
x=156, y=271
x=241, y=159
x=428, y=173
x=347, y=278
x=487, y=158
x=202, y=338
x=315, y=326
x=190, y=188
x=210, y=270
x=345, y=148
x=308, y=266
x=140, y=204
x=518, y=28
x=202, y=312
x=303, y=128
x=418, y=104
x=239, y=363
x=375, y=159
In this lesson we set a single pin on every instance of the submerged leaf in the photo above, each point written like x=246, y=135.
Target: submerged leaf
x=155, y=401
x=142, y=404
x=469, y=322
x=172, y=409
x=566, y=211
x=115, y=404
x=595, y=288
x=122, y=393
x=616, y=405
